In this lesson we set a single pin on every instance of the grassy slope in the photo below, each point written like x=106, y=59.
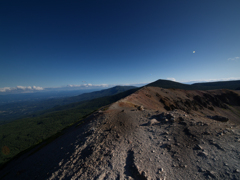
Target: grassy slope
x=22, y=134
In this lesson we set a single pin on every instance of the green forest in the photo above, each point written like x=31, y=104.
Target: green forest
x=20, y=135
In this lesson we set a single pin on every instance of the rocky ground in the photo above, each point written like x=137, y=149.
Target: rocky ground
x=152, y=134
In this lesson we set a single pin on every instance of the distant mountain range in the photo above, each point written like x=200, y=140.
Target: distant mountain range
x=15, y=110
x=233, y=85
x=12, y=111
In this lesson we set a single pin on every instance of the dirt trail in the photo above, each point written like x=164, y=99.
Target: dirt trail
x=139, y=137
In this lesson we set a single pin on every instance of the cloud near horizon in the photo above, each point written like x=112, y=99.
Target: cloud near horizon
x=233, y=59
x=30, y=89
x=88, y=85
x=172, y=79
x=20, y=89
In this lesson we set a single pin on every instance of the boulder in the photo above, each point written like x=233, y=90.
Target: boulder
x=141, y=108
x=219, y=118
x=152, y=122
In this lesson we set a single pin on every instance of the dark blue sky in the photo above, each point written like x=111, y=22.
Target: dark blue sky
x=55, y=43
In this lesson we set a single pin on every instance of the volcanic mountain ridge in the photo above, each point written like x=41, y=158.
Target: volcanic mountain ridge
x=154, y=133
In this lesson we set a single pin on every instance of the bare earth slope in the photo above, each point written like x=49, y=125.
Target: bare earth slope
x=154, y=133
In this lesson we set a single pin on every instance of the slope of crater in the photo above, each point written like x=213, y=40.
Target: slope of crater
x=154, y=133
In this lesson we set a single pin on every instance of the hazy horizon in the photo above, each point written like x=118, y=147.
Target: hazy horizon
x=33, y=89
